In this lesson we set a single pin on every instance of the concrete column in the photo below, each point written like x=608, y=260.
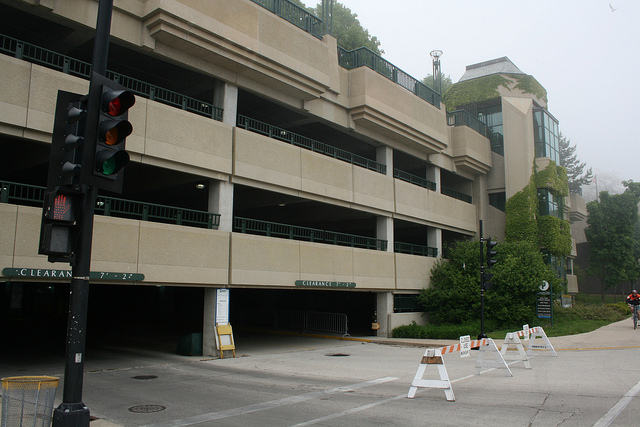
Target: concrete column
x=384, y=311
x=433, y=175
x=225, y=96
x=221, y=201
x=384, y=231
x=384, y=155
x=209, y=323
x=434, y=239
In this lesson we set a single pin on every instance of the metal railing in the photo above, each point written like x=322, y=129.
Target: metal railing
x=306, y=321
x=327, y=322
x=294, y=14
x=15, y=193
x=409, y=248
x=364, y=57
x=284, y=135
x=414, y=179
x=294, y=232
x=456, y=194
x=463, y=118
x=50, y=59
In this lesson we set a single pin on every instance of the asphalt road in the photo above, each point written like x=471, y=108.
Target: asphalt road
x=299, y=381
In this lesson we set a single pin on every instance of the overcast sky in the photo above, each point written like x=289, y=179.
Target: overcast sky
x=586, y=56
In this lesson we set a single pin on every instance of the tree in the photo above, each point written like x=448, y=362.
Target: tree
x=446, y=82
x=454, y=295
x=611, y=235
x=348, y=30
x=575, y=169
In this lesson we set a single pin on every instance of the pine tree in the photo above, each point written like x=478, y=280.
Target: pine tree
x=575, y=169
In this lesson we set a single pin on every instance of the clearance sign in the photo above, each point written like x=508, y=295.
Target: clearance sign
x=324, y=284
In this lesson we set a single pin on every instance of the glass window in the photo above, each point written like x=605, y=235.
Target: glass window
x=546, y=135
x=493, y=119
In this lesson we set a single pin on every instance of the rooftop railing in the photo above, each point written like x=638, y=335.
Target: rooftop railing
x=294, y=232
x=308, y=143
x=15, y=193
x=364, y=57
x=47, y=58
x=295, y=14
x=463, y=118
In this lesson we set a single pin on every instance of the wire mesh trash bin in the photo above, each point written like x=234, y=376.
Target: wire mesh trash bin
x=28, y=401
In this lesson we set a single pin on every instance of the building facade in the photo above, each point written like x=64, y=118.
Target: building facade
x=265, y=159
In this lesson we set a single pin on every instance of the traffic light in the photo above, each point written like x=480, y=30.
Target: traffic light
x=105, y=155
x=59, y=229
x=491, y=261
x=67, y=140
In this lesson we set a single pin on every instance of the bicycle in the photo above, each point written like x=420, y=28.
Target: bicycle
x=634, y=310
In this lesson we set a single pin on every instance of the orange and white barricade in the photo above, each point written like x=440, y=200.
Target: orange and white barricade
x=536, y=333
x=433, y=356
x=497, y=363
x=512, y=339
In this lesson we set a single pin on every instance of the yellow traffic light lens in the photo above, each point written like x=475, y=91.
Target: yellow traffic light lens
x=111, y=137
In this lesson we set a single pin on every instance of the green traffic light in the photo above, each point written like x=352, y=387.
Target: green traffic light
x=110, y=162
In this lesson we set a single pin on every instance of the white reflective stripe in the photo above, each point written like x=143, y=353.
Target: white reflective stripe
x=613, y=413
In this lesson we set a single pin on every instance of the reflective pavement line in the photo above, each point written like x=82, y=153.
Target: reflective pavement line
x=268, y=405
x=617, y=409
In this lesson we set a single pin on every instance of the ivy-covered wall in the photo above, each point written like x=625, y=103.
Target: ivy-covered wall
x=523, y=219
x=486, y=88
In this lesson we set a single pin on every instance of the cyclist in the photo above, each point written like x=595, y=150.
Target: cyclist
x=634, y=300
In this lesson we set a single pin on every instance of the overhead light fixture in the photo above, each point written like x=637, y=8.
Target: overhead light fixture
x=200, y=186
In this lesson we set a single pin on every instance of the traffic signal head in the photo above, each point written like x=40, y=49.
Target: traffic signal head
x=491, y=253
x=67, y=140
x=109, y=104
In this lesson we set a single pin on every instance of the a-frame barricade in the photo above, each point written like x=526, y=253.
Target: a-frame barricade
x=538, y=332
x=498, y=363
x=432, y=356
x=512, y=339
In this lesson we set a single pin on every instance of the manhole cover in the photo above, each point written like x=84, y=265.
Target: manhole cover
x=338, y=354
x=145, y=377
x=145, y=409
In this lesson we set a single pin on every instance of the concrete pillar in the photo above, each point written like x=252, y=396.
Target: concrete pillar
x=384, y=231
x=225, y=96
x=433, y=175
x=434, y=239
x=209, y=323
x=384, y=311
x=384, y=155
x=221, y=201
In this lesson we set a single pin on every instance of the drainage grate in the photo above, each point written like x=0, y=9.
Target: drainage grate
x=144, y=377
x=337, y=354
x=145, y=409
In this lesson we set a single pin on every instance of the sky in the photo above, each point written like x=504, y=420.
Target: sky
x=586, y=53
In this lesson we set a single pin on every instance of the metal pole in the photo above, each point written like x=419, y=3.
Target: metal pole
x=482, y=334
x=72, y=412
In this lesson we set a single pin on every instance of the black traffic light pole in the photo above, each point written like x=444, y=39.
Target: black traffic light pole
x=72, y=412
x=482, y=286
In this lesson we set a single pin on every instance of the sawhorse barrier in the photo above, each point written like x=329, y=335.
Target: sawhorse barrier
x=433, y=356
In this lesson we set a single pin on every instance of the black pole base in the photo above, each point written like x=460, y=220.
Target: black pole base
x=482, y=335
x=71, y=415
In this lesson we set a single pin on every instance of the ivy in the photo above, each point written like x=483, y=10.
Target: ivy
x=486, y=88
x=523, y=219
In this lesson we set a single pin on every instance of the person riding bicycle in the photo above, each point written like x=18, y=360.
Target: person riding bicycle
x=634, y=300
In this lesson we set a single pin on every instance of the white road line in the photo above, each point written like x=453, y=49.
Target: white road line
x=617, y=409
x=268, y=405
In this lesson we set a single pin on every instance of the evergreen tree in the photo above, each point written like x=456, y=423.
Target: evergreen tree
x=575, y=169
x=446, y=82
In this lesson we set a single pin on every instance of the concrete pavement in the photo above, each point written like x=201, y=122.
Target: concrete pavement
x=289, y=380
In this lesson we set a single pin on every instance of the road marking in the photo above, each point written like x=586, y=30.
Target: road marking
x=268, y=405
x=613, y=413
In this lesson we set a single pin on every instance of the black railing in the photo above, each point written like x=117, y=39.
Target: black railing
x=414, y=179
x=456, y=194
x=409, y=248
x=364, y=57
x=294, y=232
x=68, y=65
x=15, y=193
x=295, y=14
x=308, y=143
x=463, y=118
